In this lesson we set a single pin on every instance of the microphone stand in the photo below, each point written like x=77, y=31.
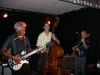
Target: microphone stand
x=79, y=61
x=79, y=56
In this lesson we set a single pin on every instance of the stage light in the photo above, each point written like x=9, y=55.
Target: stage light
x=5, y=15
x=48, y=22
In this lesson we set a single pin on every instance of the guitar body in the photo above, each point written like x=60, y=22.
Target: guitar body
x=13, y=65
x=75, y=52
x=16, y=66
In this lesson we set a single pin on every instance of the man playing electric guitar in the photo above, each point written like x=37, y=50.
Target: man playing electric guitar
x=80, y=58
x=18, y=42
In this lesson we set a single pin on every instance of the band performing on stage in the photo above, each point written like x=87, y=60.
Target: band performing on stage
x=48, y=50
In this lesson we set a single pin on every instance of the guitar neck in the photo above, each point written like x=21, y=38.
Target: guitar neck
x=33, y=52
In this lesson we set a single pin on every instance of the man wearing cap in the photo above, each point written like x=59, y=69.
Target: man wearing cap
x=17, y=42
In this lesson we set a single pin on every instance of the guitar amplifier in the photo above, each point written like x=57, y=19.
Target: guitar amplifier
x=6, y=70
x=67, y=62
x=0, y=69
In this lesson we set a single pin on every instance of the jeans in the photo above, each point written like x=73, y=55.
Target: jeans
x=79, y=64
x=41, y=62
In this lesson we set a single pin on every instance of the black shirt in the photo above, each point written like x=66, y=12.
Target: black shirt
x=16, y=45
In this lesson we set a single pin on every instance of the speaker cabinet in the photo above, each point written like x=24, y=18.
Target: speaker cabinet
x=67, y=62
x=0, y=69
x=6, y=70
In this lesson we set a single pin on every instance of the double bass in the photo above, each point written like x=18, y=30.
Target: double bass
x=53, y=65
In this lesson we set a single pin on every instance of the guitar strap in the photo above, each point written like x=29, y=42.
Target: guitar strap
x=25, y=42
x=14, y=46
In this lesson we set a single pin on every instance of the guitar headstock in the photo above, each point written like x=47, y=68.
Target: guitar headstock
x=88, y=34
x=49, y=44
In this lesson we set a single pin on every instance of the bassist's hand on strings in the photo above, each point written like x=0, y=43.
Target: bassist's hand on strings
x=16, y=59
x=46, y=51
x=55, y=38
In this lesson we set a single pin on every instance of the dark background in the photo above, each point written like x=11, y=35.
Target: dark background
x=69, y=24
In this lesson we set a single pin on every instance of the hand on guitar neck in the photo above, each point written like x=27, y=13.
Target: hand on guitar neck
x=45, y=50
x=73, y=48
x=37, y=51
x=30, y=50
x=82, y=40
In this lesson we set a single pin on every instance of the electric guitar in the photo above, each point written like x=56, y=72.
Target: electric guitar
x=77, y=48
x=23, y=56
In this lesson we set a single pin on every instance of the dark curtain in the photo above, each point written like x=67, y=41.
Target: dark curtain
x=72, y=23
x=67, y=31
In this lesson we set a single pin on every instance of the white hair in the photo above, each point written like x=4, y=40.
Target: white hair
x=19, y=25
